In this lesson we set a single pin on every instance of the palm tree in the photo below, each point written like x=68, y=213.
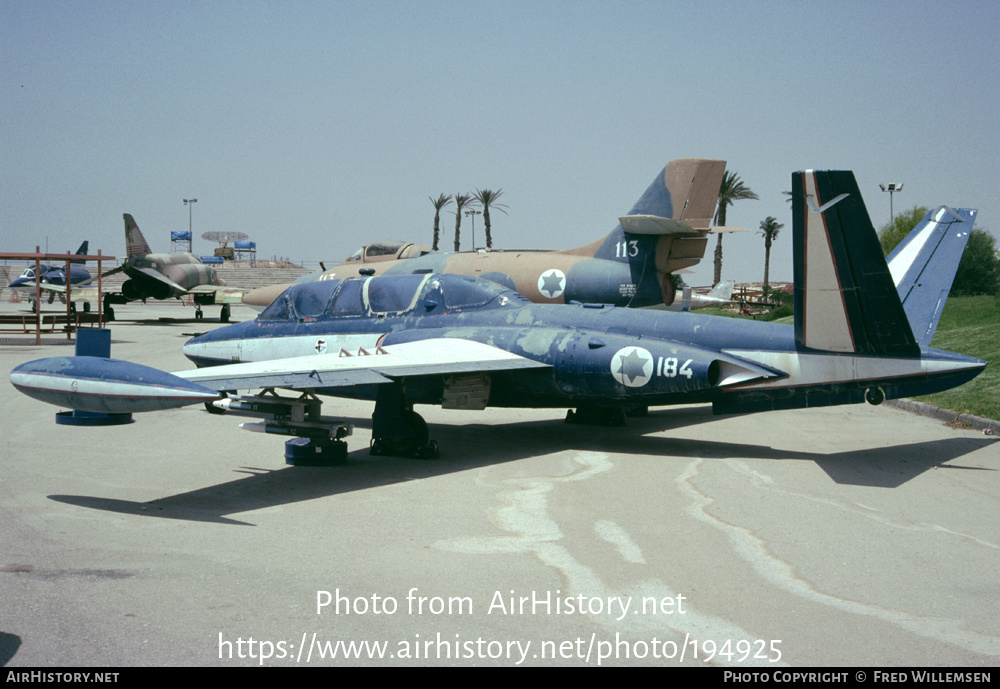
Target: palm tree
x=439, y=203
x=769, y=230
x=461, y=201
x=732, y=190
x=487, y=199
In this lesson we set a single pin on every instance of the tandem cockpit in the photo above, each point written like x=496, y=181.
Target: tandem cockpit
x=387, y=295
x=387, y=250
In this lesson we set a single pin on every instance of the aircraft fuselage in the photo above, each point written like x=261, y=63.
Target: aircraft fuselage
x=597, y=355
x=163, y=276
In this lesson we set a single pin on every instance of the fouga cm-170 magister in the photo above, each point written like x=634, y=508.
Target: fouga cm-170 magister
x=861, y=333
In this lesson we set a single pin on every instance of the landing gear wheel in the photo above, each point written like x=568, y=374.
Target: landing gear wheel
x=874, y=396
x=224, y=314
x=413, y=440
x=428, y=451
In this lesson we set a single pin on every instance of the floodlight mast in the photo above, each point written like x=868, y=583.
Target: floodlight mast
x=473, y=214
x=891, y=188
x=190, y=203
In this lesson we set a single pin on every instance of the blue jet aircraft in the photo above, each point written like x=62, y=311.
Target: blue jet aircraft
x=468, y=343
x=52, y=279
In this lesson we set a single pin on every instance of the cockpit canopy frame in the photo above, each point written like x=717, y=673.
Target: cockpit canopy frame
x=385, y=295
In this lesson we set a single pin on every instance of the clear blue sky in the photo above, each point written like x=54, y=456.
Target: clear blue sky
x=316, y=127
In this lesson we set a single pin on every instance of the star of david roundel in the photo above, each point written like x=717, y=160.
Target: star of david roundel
x=632, y=366
x=552, y=283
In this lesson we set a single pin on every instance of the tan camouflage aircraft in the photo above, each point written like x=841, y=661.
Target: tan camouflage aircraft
x=166, y=276
x=665, y=231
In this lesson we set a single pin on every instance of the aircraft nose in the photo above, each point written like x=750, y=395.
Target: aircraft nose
x=216, y=346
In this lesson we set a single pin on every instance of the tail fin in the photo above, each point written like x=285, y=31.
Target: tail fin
x=671, y=218
x=686, y=191
x=923, y=266
x=135, y=243
x=845, y=299
x=82, y=251
x=723, y=290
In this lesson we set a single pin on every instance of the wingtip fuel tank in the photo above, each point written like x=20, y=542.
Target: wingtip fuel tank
x=110, y=386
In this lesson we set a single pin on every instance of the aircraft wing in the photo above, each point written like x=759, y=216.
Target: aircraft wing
x=223, y=295
x=80, y=293
x=443, y=356
x=160, y=277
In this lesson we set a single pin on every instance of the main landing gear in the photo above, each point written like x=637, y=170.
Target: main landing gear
x=224, y=314
x=397, y=430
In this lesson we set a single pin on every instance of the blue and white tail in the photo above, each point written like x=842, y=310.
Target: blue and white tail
x=923, y=266
x=845, y=298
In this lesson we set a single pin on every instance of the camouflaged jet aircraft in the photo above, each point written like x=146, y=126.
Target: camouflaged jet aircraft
x=469, y=343
x=167, y=276
x=666, y=230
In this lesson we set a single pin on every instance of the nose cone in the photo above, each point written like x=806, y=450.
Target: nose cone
x=219, y=346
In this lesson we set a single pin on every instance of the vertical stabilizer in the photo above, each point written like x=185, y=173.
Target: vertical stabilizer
x=82, y=251
x=924, y=264
x=671, y=219
x=135, y=243
x=845, y=299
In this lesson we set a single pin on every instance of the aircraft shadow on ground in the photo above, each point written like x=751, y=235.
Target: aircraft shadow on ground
x=170, y=320
x=9, y=643
x=473, y=446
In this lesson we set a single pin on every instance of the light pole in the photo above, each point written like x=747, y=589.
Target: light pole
x=891, y=188
x=190, y=203
x=473, y=214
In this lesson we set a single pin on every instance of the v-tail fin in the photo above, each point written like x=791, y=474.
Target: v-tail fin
x=924, y=264
x=845, y=298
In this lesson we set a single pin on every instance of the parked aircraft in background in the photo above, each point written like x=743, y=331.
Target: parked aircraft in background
x=468, y=343
x=52, y=280
x=666, y=230
x=689, y=299
x=166, y=276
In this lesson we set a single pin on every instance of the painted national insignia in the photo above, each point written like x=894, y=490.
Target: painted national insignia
x=632, y=366
x=552, y=283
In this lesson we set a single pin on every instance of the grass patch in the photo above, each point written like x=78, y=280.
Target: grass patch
x=971, y=326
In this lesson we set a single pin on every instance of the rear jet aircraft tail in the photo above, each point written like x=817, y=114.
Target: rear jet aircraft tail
x=82, y=251
x=845, y=298
x=667, y=228
x=135, y=243
x=923, y=266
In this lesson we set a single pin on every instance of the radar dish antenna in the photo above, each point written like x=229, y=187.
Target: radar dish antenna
x=223, y=238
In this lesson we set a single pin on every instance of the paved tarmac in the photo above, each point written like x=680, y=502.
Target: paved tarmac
x=849, y=536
